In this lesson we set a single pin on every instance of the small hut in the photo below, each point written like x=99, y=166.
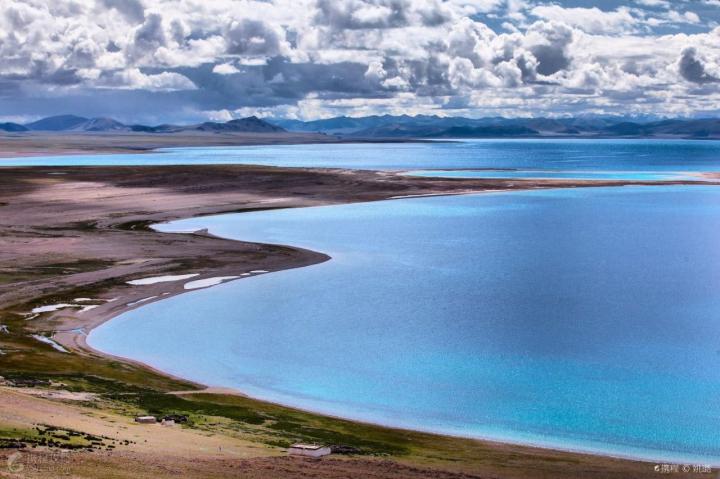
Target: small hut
x=146, y=419
x=310, y=450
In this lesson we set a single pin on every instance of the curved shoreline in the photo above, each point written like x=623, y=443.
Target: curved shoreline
x=133, y=197
x=599, y=449
x=79, y=341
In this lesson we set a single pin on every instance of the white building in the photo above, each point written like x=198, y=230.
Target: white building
x=310, y=450
x=146, y=419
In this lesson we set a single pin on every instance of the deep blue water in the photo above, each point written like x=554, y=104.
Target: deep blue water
x=587, y=319
x=624, y=158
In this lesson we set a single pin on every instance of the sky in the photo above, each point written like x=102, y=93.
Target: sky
x=156, y=61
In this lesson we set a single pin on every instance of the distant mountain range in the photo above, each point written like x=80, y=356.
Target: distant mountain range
x=423, y=126
x=405, y=126
x=72, y=123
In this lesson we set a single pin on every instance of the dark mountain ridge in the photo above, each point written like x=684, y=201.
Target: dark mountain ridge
x=406, y=126
x=12, y=127
x=74, y=123
x=57, y=123
x=425, y=126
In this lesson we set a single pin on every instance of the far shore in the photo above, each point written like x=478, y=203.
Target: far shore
x=16, y=145
x=85, y=233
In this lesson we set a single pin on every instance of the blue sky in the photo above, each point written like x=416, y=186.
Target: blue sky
x=160, y=61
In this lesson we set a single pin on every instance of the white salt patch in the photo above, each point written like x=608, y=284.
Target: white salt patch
x=188, y=231
x=83, y=300
x=89, y=308
x=141, y=301
x=204, y=283
x=259, y=271
x=160, y=279
x=49, y=341
x=245, y=274
x=399, y=197
x=4, y=329
x=52, y=307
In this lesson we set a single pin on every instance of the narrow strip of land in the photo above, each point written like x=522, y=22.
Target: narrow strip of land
x=87, y=143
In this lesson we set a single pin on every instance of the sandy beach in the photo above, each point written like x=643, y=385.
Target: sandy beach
x=73, y=238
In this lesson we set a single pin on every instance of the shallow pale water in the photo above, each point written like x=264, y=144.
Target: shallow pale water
x=586, y=319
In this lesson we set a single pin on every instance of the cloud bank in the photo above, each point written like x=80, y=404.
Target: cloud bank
x=190, y=59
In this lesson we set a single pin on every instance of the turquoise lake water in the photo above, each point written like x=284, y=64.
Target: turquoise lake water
x=560, y=174
x=633, y=159
x=582, y=319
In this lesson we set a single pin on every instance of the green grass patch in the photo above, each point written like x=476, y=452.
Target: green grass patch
x=160, y=404
x=54, y=437
x=281, y=426
x=68, y=295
